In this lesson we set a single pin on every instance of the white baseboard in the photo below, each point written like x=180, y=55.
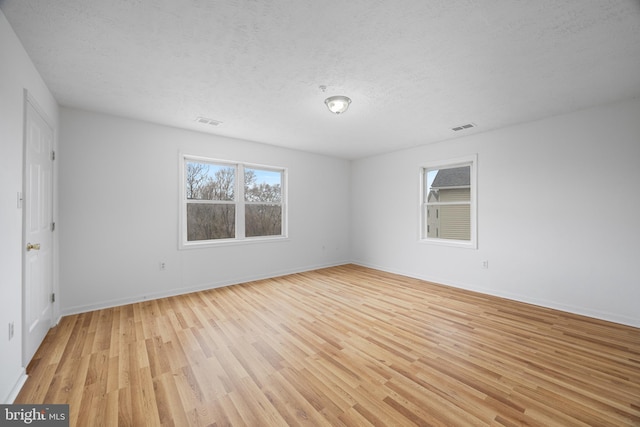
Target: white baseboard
x=581, y=311
x=16, y=388
x=187, y=290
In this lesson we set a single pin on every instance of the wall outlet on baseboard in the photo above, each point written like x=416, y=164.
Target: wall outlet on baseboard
x=162, y=265
x=485, y=264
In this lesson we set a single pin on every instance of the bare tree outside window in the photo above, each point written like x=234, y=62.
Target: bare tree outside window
x=214, y=200
x=263, y=197
x=211, y=184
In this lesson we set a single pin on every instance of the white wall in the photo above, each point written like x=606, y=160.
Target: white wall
x=119, y=213
x=16, y=74
x=558, y=213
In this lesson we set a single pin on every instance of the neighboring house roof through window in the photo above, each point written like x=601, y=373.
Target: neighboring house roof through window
x=452, y=177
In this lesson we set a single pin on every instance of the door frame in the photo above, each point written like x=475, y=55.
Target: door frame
x=29, y=100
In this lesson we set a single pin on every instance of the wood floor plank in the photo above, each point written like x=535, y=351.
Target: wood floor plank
x=341, y=346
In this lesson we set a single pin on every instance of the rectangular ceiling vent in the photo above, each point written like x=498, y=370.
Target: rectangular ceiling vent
x=462, y=127
x=210, y=122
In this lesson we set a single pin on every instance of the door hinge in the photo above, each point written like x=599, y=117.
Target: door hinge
x=53, y=155
x=53, y=297
x=53, y=226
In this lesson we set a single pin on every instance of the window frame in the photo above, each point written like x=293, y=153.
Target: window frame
x=239, y=203
x=472, y=162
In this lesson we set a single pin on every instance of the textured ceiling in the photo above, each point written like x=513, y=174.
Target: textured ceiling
x=414, y=68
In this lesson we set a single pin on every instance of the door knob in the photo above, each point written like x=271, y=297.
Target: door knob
x=33, y=246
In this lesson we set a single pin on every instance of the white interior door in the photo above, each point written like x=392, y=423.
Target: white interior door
x=38, y=236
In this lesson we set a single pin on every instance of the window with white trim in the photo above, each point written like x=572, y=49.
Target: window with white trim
x=229, y=202
x=448, y=202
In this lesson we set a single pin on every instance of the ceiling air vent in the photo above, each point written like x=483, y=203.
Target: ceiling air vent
x=210, y=122
x=462, y=127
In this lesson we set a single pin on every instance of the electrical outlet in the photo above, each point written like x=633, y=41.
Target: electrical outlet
x=11, y=330
x=485, y=264
x=162, y=265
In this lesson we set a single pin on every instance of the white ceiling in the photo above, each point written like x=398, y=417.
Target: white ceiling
x=413, y=68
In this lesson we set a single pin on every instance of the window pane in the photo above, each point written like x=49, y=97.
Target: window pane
x=220, y=206
x=262, y=185
x=455, y=222
x=210, y=221
x=263, y=220
x=448, y=222
x=444, y=185
x=447, y=213
x=209, y=181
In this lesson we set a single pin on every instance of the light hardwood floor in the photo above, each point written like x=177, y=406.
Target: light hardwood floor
x=343, y=346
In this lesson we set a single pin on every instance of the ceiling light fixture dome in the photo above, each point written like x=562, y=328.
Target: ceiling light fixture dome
x=337, y=104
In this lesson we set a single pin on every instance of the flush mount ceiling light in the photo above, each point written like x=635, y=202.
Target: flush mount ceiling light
x=337, y=104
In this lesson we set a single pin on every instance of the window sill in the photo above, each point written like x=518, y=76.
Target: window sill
x=451, y=243
x=232, y=242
